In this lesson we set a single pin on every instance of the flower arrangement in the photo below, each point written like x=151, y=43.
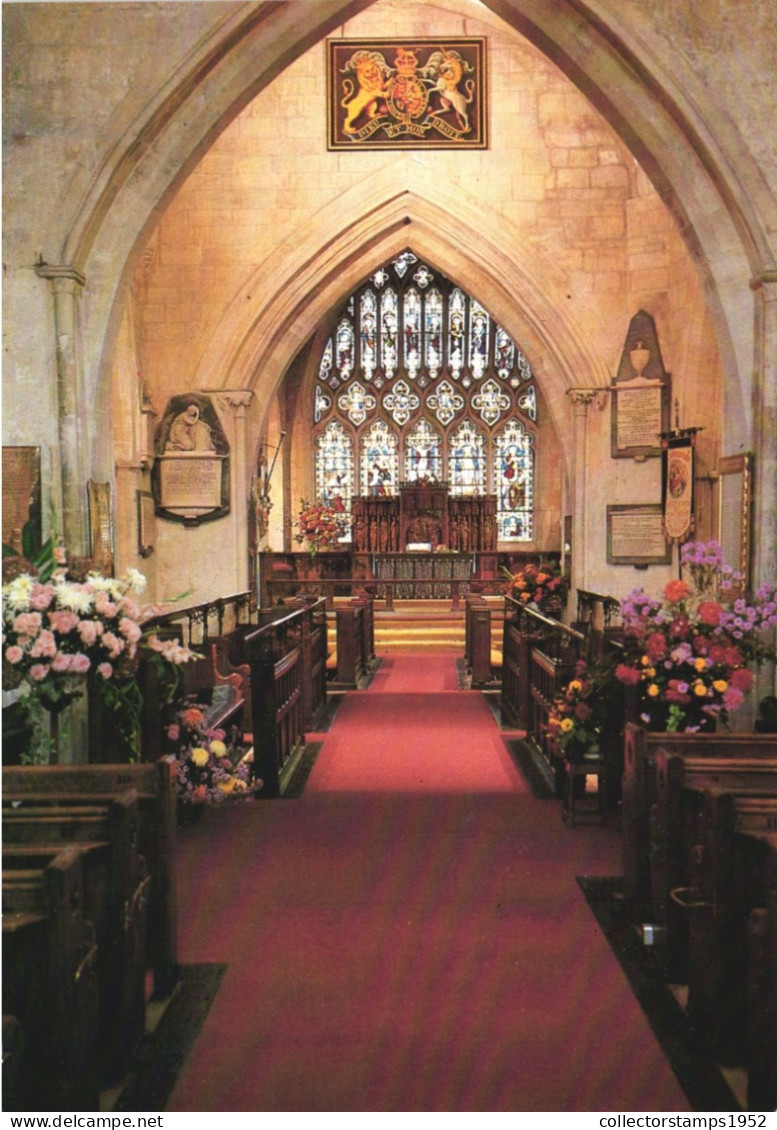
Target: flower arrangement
x=687, y=654
x=210, y=767
x=321, y=524
x=61, y=635
x=541, y=584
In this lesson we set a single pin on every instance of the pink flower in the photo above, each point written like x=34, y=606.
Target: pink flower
x=105, y=670
x=105, y=606
x=89, y=630
x=129, y=607
x=27, y=623
x=129, y=629
x=626, y=674
x=45, y=647
x=173, y=732
x=42, y=596
x=63, y=622
x=62, y=663
x=80, y=664
x=582, y=711
x=14, y=654
x=709, y=613
x=114, y=645
x=733, y=698
x=39, y=671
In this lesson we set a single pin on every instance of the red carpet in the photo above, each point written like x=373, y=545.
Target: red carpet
x=415, y=946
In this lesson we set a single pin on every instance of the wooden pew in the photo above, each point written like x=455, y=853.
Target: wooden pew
x=678, y=826
x=732, y=874
x=639, y=787
x=156, y=790
x=350, y=633
x=49, y=984
x=477, y=639
x=115, y=896
x=761, y=1061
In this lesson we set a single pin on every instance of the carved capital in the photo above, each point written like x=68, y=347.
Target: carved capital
x=59, y=273
x=582, y=397
x=236, y=399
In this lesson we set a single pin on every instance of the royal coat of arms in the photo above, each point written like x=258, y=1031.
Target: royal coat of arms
x=407, y=93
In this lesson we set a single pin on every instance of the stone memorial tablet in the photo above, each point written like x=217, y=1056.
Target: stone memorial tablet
x=635, y=536
x=190, y=482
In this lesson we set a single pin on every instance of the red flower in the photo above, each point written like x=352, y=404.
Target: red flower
x=678, y=629
x=742, y=679
x=709, y=613
x=626, y=674
x=656, y=646
x=676, y=590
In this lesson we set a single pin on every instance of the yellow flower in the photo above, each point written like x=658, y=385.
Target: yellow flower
x=227, y=786
x=654, y=690
x=720, y=685
x=650, y=672
x=199, y=757
x=645, y=660
x=699, y=689
x=700, y=663
x=574, y=686
x=566, y=725
x=218, y=749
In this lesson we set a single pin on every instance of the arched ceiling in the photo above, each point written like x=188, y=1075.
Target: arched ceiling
x=724, y=226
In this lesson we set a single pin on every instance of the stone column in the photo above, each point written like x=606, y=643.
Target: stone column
x=238, y=400
x=66, y=283
x=764, y=531
x=581, y=398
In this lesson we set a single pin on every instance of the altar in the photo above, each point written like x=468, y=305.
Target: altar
x=424, y=514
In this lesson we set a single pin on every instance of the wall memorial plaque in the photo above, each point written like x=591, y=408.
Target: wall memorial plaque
x=190, y=478
x=640, y=394
x=21, y=499
x=635, y=536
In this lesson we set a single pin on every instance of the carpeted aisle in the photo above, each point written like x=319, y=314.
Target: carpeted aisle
x=409, y=936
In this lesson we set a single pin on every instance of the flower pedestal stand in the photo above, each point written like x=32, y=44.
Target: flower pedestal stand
x=577, y=803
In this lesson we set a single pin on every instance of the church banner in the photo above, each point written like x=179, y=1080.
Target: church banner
x=678, y=486
x=406, y=93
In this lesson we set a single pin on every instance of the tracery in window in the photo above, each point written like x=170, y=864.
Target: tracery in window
x=420, y=381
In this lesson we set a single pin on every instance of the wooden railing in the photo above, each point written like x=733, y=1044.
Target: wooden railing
x=287, y=656
x=197, y=624
x=385, y=590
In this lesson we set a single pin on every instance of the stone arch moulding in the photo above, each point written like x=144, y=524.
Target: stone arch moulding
x=725, y=229
x=253, y=348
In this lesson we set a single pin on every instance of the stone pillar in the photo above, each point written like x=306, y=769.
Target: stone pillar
x=66, y=283
x=764, y=530
x=581, y=398
x=238, y=400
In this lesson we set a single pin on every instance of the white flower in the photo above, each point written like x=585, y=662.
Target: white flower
x=76, y=597
x=16, y=594
x=98, y=583
x=136, y=581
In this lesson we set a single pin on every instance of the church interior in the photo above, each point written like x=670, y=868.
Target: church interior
x=362, y=360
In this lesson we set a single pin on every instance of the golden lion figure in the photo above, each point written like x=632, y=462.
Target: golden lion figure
x=371, y=69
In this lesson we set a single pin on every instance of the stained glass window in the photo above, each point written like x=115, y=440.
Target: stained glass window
x=369, y=334
x=514, y=482
x=410, y=343
x=423, y=453
x=412, y=318
x=334, y=465
x=467, y=460
x=379, y=461
x=433, y=332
